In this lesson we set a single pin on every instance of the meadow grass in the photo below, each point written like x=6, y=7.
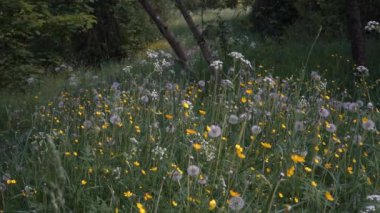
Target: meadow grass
x=137, y=140
x=142, y=137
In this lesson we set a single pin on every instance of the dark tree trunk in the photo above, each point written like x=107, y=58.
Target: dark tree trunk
x=196, y=33
x=355, y=31
x=175, y=45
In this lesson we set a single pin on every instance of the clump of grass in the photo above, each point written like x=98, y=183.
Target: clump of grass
x=251, y=142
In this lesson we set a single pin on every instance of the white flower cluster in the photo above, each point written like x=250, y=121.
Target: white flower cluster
x=362, y=71
x=240, y=57
x=217, y=65
x=372, y=26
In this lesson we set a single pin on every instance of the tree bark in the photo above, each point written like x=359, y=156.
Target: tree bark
x=202, y=43
x=355, y=31
x=175, y=45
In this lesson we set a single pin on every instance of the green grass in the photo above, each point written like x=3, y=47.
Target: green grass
x=61, y=151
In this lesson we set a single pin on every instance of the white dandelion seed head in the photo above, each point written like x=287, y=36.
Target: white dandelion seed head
x=215, y=131
x=87, y=124
x=115, y=119
x=236, y=203
x=201, y=83
x=324, y=113
x=369, y=125
x=233, y=119
x=331, y=128
x=176, y=175
x=255, y=129
x=144, y=99
x=193, y=170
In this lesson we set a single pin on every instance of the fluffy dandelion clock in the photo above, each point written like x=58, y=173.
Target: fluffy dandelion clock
x=233, y=119
x=330, y=127
x=193, y=170
x=215, y=131
x=115, y=119
x=236, y=203
x=368, y=125
x=176, y=176
x=324, y=113
x=255, y=130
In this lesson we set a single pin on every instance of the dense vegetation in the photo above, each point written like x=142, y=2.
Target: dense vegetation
x=96, y=114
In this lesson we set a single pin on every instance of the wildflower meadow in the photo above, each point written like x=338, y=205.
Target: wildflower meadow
x=145, y=135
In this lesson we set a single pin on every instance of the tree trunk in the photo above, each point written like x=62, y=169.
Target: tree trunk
x=196, y=33
x=175, y=45
x=355, y=32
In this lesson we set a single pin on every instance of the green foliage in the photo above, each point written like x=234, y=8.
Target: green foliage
x=272, y=16
x=35, y=35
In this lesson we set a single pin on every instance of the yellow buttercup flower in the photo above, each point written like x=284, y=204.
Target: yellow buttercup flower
x=197, y=146
x=329, y=196
x=191, y=132
x=212, y=204
x=290, y=171
x=234, y=194
x=298, y=158
x=266, y=145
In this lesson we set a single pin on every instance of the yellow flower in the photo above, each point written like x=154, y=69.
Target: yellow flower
x=266, y=145
x=153, y=169
x=191, y=132
x=141, y=208
x=329, y=196
x=308, y=169
x=174, y=203
x=350, y=170
x=202, y=112
x=212, y=204
x=314, y=184
x=128, y=194
x=136, y=163
x=290, y=171
x=239, y=151
x=298, y=158
x=234, y=194
x=9, y=182
x=83, y=182
x=249, y=91
x=147, y=196
x=185, y=105
x=169, y=116
x=197, y=146
x=243, y=99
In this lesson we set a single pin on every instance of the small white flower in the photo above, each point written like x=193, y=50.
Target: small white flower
x=217, y=65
